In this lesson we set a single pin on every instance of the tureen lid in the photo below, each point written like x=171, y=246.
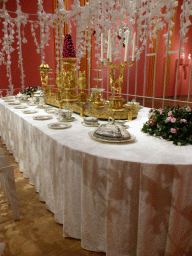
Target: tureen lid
x=112, y=131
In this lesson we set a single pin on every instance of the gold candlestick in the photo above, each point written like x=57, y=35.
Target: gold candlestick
x=97, y=92
x=116, y=102
x=82, y=83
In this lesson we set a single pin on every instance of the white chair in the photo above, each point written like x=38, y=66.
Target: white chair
x=7, y=179
x=4, y=163
x=2, y=247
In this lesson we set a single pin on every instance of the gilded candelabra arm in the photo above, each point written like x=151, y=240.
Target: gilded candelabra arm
x=44, y=70
x=44, y=78
x=124, y=64
x=131, y=64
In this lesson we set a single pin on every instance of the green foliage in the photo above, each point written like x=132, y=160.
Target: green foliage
x=173, y=124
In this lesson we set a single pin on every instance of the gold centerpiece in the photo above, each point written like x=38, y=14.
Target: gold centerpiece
x=80, y=102
x=68, y=87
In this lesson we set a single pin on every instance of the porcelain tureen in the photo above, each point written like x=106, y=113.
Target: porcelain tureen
x=112, y=131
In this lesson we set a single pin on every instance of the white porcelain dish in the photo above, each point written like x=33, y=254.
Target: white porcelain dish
x=59, y=125
x=21, y=107
x=61, y=119
x=14, y=103
x=90, y=124
x=30, y=111
x=42, y=117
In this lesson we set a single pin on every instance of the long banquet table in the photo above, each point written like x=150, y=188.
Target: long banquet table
x=130, y=199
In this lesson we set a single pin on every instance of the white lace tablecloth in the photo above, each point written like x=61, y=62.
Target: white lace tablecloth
x=130, y=199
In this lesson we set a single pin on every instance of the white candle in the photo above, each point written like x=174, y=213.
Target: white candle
x=101, y=47
x=133, y=53
x=126, y=46
x=125, y=57
x=109, y=42
x=110, y=52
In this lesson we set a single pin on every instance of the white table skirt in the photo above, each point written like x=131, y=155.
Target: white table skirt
x=125, y=199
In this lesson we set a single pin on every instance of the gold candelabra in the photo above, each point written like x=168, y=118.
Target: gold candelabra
x=67, y=92
x=116, y=101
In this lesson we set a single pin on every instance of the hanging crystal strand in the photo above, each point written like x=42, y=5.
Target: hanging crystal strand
x=165, y=73
x=109, y=27
x=146, y=48
x=57, y=48
x=7, y=49
x=61, y=25
x=41, y=23
x=89, y=51
x=155, y=70
x=102, y=13
x=34, y=38
x=20, y=59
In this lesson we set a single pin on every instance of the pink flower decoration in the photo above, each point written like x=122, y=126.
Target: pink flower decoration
x=151, y=114
x=160, y=111
x=168, y=119
x=184, y=120
x=170, y=113
x=173, y=130
x=188, y=109
x=173, y=120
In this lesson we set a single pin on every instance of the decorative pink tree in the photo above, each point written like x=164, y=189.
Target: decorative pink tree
x=68, y=47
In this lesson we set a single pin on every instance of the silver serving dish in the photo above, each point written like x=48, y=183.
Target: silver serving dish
x=111, y=132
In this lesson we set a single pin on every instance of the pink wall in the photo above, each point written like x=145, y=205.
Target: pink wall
x=31, y=60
